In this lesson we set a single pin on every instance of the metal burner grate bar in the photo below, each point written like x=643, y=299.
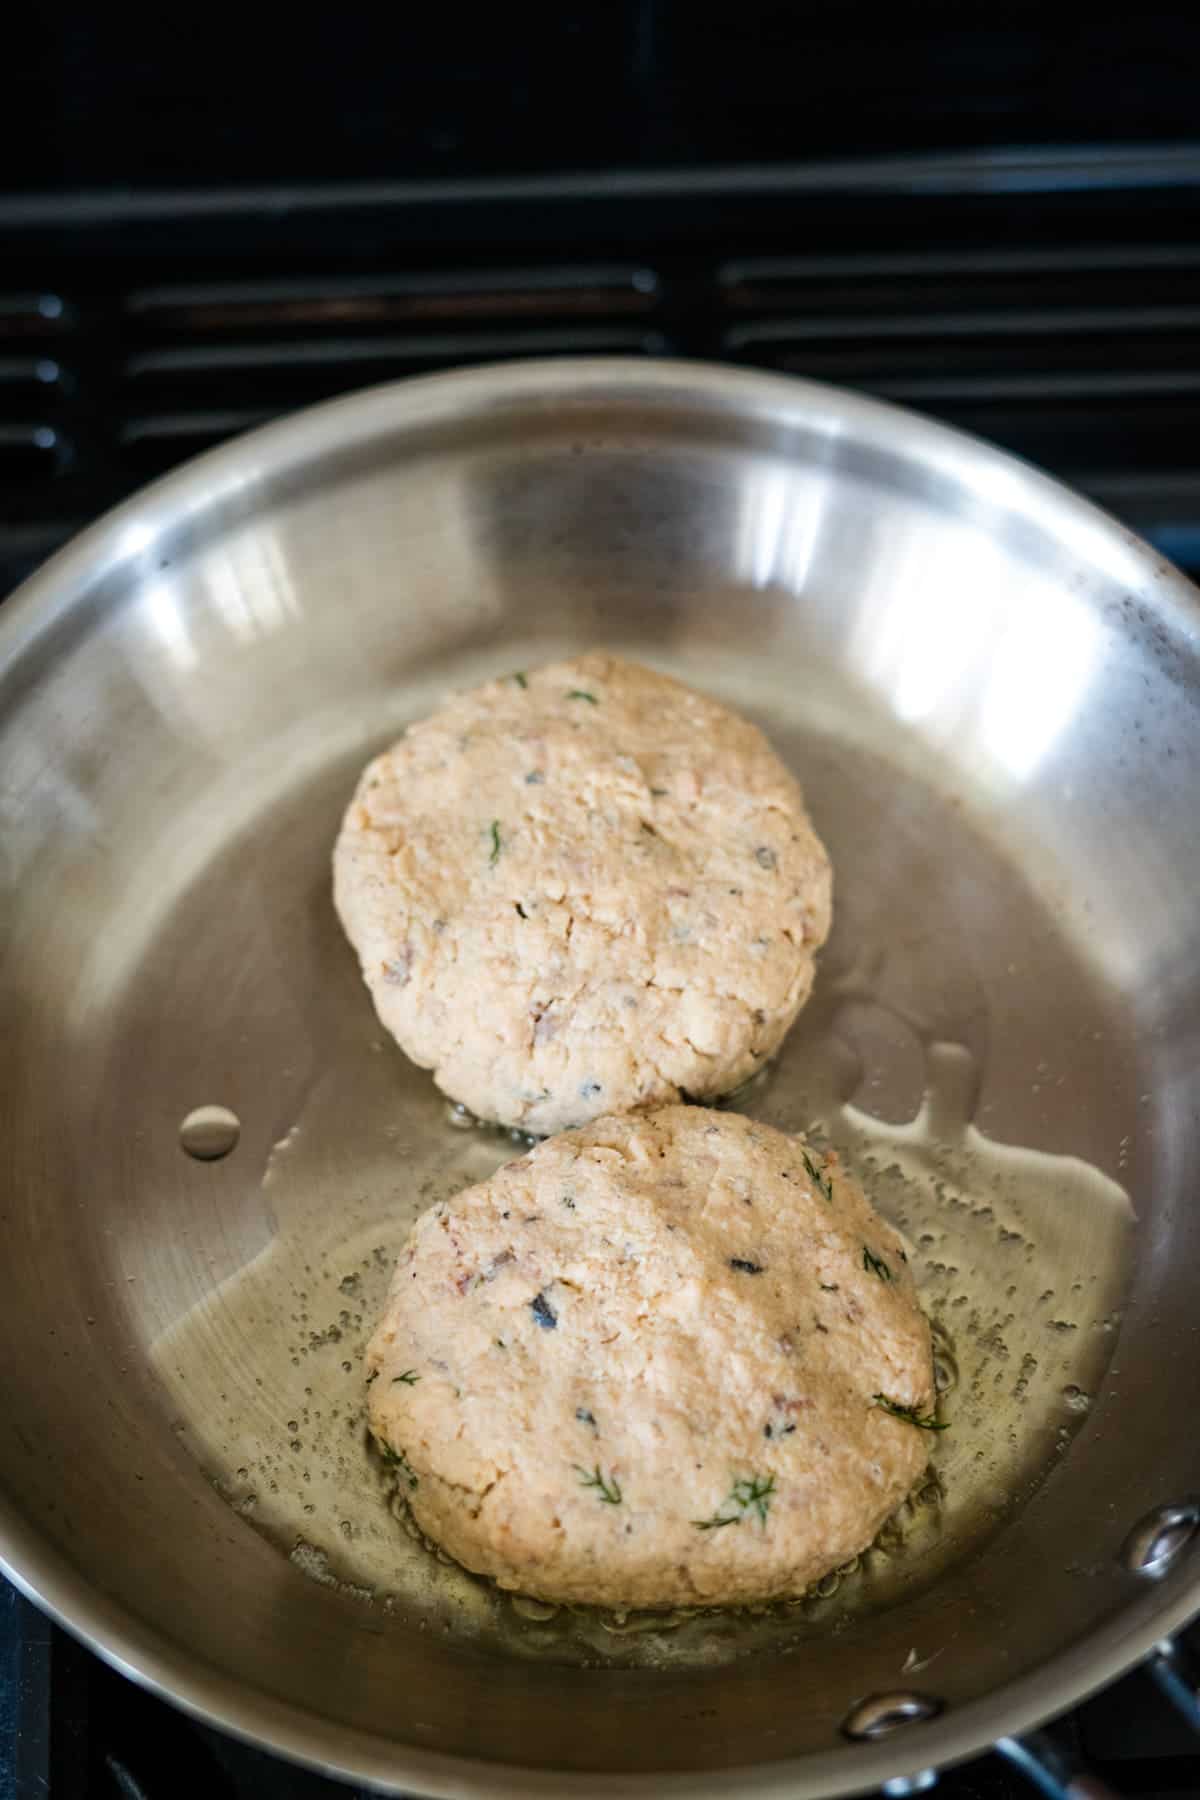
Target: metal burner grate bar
x=1055, y=315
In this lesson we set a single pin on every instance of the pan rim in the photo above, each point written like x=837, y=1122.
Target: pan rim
x=356, y=417
x=288, y=446
x=144, y=1655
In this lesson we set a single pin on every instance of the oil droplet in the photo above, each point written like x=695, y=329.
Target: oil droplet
x=209, y=1132
x=527, y=1608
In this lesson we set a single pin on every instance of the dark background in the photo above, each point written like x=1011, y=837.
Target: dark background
x=193, y=96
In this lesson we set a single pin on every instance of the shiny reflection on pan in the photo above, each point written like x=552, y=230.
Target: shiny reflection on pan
x=968, y=647
x=252, y=588
x=166, y=619
x=777, y=527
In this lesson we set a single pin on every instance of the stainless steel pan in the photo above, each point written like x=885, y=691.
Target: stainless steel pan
x=991, y=692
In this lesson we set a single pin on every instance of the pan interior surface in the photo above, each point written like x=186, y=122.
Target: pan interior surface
x=212, y=1155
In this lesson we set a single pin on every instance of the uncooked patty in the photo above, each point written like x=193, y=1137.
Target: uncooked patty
x=670, y=1358
x=581, y=890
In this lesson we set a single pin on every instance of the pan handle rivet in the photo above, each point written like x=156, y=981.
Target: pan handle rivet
x=880, y=1714
x=209, y=1132
x=1157, y=1541
x=902, y=1785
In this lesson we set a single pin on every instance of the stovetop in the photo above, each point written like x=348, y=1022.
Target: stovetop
x=1047, y=299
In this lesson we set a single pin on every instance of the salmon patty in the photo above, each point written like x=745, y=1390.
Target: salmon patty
x=582, y=890
x=670, y=1358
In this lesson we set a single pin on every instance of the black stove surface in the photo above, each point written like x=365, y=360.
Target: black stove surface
x=1046, y=298
x=110, y=98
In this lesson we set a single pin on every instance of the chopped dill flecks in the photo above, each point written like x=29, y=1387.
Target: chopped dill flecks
x=494, y=858
x=410, y=1378
x=396, y=1459
x=609, y=1492
x=875, y=1265
x=581, y=694
x=910, y=1415
x=750, y=1494
x=823, y=1184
